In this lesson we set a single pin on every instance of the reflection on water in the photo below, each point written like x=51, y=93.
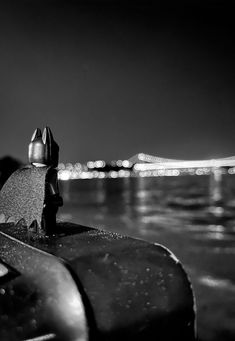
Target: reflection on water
x=194, y=216
x=183, y=203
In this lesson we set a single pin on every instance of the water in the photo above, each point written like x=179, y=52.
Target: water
x=194, y=216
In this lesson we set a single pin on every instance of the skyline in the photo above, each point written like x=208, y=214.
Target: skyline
x=114, y=80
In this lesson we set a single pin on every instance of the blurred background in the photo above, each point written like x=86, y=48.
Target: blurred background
x=116, y=78
x=113, y=78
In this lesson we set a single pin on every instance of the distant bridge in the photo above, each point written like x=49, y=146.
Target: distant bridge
x=143, y=162
x=146, y=158
x=145, y=165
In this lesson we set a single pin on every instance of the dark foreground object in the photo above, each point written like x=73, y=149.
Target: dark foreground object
x=88, y=284
x=74, y=283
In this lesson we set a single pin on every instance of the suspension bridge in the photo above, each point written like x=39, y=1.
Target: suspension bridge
x=144, y=162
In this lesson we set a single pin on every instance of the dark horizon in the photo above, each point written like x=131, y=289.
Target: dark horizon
x=112, y=79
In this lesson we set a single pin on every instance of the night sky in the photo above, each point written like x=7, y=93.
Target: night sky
x=116, y=78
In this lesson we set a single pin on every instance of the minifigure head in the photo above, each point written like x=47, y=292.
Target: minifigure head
x=43, y=150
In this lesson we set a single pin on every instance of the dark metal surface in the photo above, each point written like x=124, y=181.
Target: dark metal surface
x=43, y=298
x=131, y=289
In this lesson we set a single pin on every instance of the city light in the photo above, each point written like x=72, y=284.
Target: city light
x=64, y=175
x=142, y=165
x=231, y=170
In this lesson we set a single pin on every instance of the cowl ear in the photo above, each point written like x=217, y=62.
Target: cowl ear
x=36, y=135
x=51, y=148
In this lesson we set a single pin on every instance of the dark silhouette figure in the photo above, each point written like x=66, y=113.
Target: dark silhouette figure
x=30, y=196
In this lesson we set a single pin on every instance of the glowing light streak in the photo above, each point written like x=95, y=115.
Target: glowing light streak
x=149, y=158
x=160, y=167
x=215, y=163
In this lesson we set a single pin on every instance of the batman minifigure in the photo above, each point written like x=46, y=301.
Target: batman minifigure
x=30, y=197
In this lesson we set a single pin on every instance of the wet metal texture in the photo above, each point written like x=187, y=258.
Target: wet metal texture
x=130, y=289
x=42, y=299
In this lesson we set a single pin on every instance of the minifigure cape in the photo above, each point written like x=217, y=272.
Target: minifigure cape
x=22, y=196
